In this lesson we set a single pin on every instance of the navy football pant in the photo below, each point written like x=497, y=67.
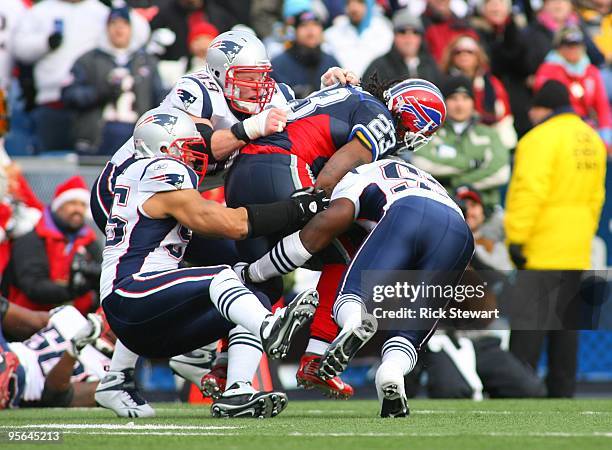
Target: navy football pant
x=416, y=233
x=163, y=314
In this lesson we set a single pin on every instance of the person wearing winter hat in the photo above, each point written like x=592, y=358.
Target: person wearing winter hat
x=553, y=208
x=465, y=151
x=302, y=65
x=199, y=38
x=59, y=261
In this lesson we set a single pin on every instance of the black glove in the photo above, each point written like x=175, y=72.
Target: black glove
x=310, y=202
x=84, y=274
x=516, y=255
x=55, y=40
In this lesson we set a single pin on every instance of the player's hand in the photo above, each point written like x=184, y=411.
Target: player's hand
x=87, y=334
x=269, y=121
x=310, y=201
x=338, y=75
x=242, y=270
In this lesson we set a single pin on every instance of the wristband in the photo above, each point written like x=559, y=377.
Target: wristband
x=238, y=131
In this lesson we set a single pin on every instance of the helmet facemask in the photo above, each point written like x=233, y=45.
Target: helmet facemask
x=191, y=151
x=261, y=84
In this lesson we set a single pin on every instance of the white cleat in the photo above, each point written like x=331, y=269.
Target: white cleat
x=194, y=365
x=343, y=349
x=278, y=330
x=242, y=400
x=391, y=391
x=117, y=392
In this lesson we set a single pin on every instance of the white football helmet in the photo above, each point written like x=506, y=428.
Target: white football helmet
x=168, y=131
x=238, y=61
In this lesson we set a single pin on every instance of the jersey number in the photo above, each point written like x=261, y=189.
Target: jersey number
x=115, y=225
x=383, y=131
x=306, y=106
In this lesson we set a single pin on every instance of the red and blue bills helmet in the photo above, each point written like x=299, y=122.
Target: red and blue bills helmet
x=419, y=108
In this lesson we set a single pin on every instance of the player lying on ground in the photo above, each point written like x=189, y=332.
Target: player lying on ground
x=327, y=134
x=159, y=310
x=57, y=366
x=226, y=99
x=417, y=227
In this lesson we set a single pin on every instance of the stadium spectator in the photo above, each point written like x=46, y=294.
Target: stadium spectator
x=304, y=62
x=569, y=64
x=11, y=12
x=442, y=26
x=58, y=262
x=51, y=36
x=265, y=14
x=553, y=209
x=200, y=36
x=464, y=56
x=501, y=36
x=464, y=151
x=111, y=87
x=408, y=58
x=359, y=36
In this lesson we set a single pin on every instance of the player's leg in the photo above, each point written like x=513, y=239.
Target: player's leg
x=12, y=374
x=445, y=247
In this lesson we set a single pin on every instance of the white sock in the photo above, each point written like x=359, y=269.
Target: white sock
x=244, y=353
x=123, y=358
x=348, y=311
x=399, y=352
x=236, y=303
x=316, y=347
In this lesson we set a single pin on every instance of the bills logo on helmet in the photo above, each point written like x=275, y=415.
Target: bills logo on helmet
x=173, y=179
x=186, y=97
x=424, y=117
x=230, y=48
x=164, y=120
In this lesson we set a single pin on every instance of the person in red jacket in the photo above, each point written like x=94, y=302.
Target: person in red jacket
x=59, y=261
x=569, y=64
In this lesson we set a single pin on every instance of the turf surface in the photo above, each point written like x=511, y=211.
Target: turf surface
x=339, y=425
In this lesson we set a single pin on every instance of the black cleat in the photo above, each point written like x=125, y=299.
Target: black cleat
x=242, y=401
x=394, y=402
x=345, y=346
x=281, y=327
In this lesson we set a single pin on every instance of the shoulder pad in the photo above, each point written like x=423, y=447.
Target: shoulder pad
x=166, y=174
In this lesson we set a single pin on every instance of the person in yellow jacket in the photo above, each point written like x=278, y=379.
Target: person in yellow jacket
x=553, y=208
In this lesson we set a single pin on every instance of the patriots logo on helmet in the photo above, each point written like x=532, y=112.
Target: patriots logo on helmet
x=186, y=97
x=173, y=179
x=230, y=48
x=424, y=117
x=165, y=120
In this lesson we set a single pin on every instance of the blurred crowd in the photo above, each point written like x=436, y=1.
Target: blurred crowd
x=76, y=74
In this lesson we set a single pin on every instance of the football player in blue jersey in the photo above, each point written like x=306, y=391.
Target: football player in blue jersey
x=157, y=309
x=414, y=225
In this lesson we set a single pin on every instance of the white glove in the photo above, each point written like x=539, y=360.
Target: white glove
x=87, y=334
x=336, y=75
x=269, y=121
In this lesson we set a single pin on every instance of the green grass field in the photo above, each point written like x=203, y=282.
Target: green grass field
x=317, y=425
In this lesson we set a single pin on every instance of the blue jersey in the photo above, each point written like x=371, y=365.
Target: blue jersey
x=321, y=123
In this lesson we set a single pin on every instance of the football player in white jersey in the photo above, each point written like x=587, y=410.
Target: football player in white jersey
x=157, y=309
x=414, y=225
x=59, y=365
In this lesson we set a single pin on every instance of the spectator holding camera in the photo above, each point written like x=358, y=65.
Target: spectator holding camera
x=59, y=261
x=111, y=87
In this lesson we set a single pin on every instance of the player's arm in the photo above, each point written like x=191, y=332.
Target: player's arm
x=296, y=249
x=211, y=219
x=352, y=154
x=222, y=143
x=59, y=391
x=21, y=322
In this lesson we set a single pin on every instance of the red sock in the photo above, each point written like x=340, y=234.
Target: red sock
x=323, y=326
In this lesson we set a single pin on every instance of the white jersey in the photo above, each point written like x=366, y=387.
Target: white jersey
x=136, y=243
x=374, y=187
x=198, y=94
x=43, y=350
